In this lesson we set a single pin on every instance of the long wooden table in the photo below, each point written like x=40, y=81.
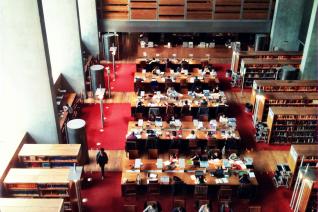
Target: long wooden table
x=148, y=77
x=185, y=129
x=222, y=135
x=161, y=101
x=186, y=174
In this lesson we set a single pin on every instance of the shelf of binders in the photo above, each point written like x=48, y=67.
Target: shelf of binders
x=292, y=125
x=50, y=155
x=46, y=183
x=280, y=99
x=266, y=69
x=261, y=86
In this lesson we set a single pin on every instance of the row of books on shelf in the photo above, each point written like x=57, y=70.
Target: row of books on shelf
x=295, y=134
x=285, y=88
x=48, y=164
x=297, y=117
x=290, y=101
x=47, y=158
x=295, y=128
x=294, y=140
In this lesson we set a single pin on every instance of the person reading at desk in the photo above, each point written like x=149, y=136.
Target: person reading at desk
x=186, y=109
x=192, y=135
x=204, y=208
x=173, y=158
x=197, y=86
x=244, y=179
x=131, y=137
x=152, y=207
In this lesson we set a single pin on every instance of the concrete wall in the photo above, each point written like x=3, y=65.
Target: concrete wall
x=286, y=24
x=88, y=23
x=309, y=64
x=27, y=103
x=64, y=41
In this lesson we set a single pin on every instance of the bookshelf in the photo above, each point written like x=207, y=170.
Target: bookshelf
x=296, y=153
x=265, y=69
x=46, y=183
x=280, y=99
x=260, y=86
x=305, y=195
x=50, y=155
x=292, y=125
x=238, y=56
x=34, y=205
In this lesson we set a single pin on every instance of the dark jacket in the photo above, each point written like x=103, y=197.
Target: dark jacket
x=101, y=158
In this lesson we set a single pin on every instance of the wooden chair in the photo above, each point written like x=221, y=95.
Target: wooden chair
x=183, y=83
x=193, y=143
x=201, y=202
x=129, y=189
x=184, y=91
x=204, y=118
x=211, y=143
x=138, y=116
x=153, y=189
x=133, y=154
x=153, y=153
x=187, y=118
x=179, y=203
x=173, y=151
x=255, y=208
x=130, y=145
x=130, y=208
x=225, y=195
x=200, y=191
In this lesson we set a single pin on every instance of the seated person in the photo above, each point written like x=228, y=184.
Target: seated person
x=244, y=179
x=152, y=207
x=192, y=135
x=131, y=136
x=186, y=109
x=174, y=135
x=197, y=86
x=196, y=157
x=204, y=208
x=213, y=154
x=140, y=107
x=200, y=179
x=173, y=157
x=219, y=172
x=171, y=92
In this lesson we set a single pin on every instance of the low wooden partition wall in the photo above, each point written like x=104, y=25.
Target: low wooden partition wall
x=187, y=9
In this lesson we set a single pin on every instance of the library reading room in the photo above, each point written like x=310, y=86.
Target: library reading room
x=159, y=106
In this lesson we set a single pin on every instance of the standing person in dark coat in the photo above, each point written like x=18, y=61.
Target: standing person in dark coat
x=102, y=160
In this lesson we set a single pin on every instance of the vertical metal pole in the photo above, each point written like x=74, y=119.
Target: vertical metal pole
x=108, y=79
x=114, y=65
x=101, y=112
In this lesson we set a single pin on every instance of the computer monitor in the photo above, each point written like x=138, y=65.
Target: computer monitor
x=198, y=173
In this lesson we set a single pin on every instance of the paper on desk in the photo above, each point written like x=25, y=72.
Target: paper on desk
x=251, y=174
x=193, y=177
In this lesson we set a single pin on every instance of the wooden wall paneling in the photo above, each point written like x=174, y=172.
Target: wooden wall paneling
x=143, y=14
x=171, y=10
x=115, y=2
x=143, y=5
x=228, y=2
x=199, y=15
x=255, y=15
x=171, y=17
x=171, y=2
x=253, y=9
x=199, y=9
x=115, y=15
x=226, y=15
x=115, y=9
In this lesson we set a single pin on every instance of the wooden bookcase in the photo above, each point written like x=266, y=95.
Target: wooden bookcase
x=261, y=86
x=292, y=125
x=50, y=155
x=237, y=57
x=307, y=192
x=280, y=99
x=200, y=10
x=296, y=153
x=46, y=183
x=34, y=205
x=266, y=69
x=115, y=9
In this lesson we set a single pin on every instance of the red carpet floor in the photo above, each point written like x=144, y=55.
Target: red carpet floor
x=115, y=127
x=124, y=77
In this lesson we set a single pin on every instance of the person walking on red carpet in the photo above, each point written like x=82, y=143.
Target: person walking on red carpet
x=102, y=160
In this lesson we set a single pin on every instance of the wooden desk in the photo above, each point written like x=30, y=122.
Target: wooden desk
x=186, y=128
x=151, y=101
x=31, y=205
x=149, y=166
x=148, y=77
x=69, y=99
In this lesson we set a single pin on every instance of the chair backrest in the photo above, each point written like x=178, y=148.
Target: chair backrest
x=193, y=143
x=138, y=116
x=184, y=90
x=131, y=145
x=255, y=208
x=153, y=153
x=187, y=118
x=153, y=189
x=201, y=190
x=204, y=118
x=129, y=208
x=183, y=83
x=133, y=154
x=173, y=151
x=179, y=203
x=129, y=189
x=211, y=142
x=225, y=195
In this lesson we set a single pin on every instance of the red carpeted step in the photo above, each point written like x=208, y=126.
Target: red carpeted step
x=115, y=127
